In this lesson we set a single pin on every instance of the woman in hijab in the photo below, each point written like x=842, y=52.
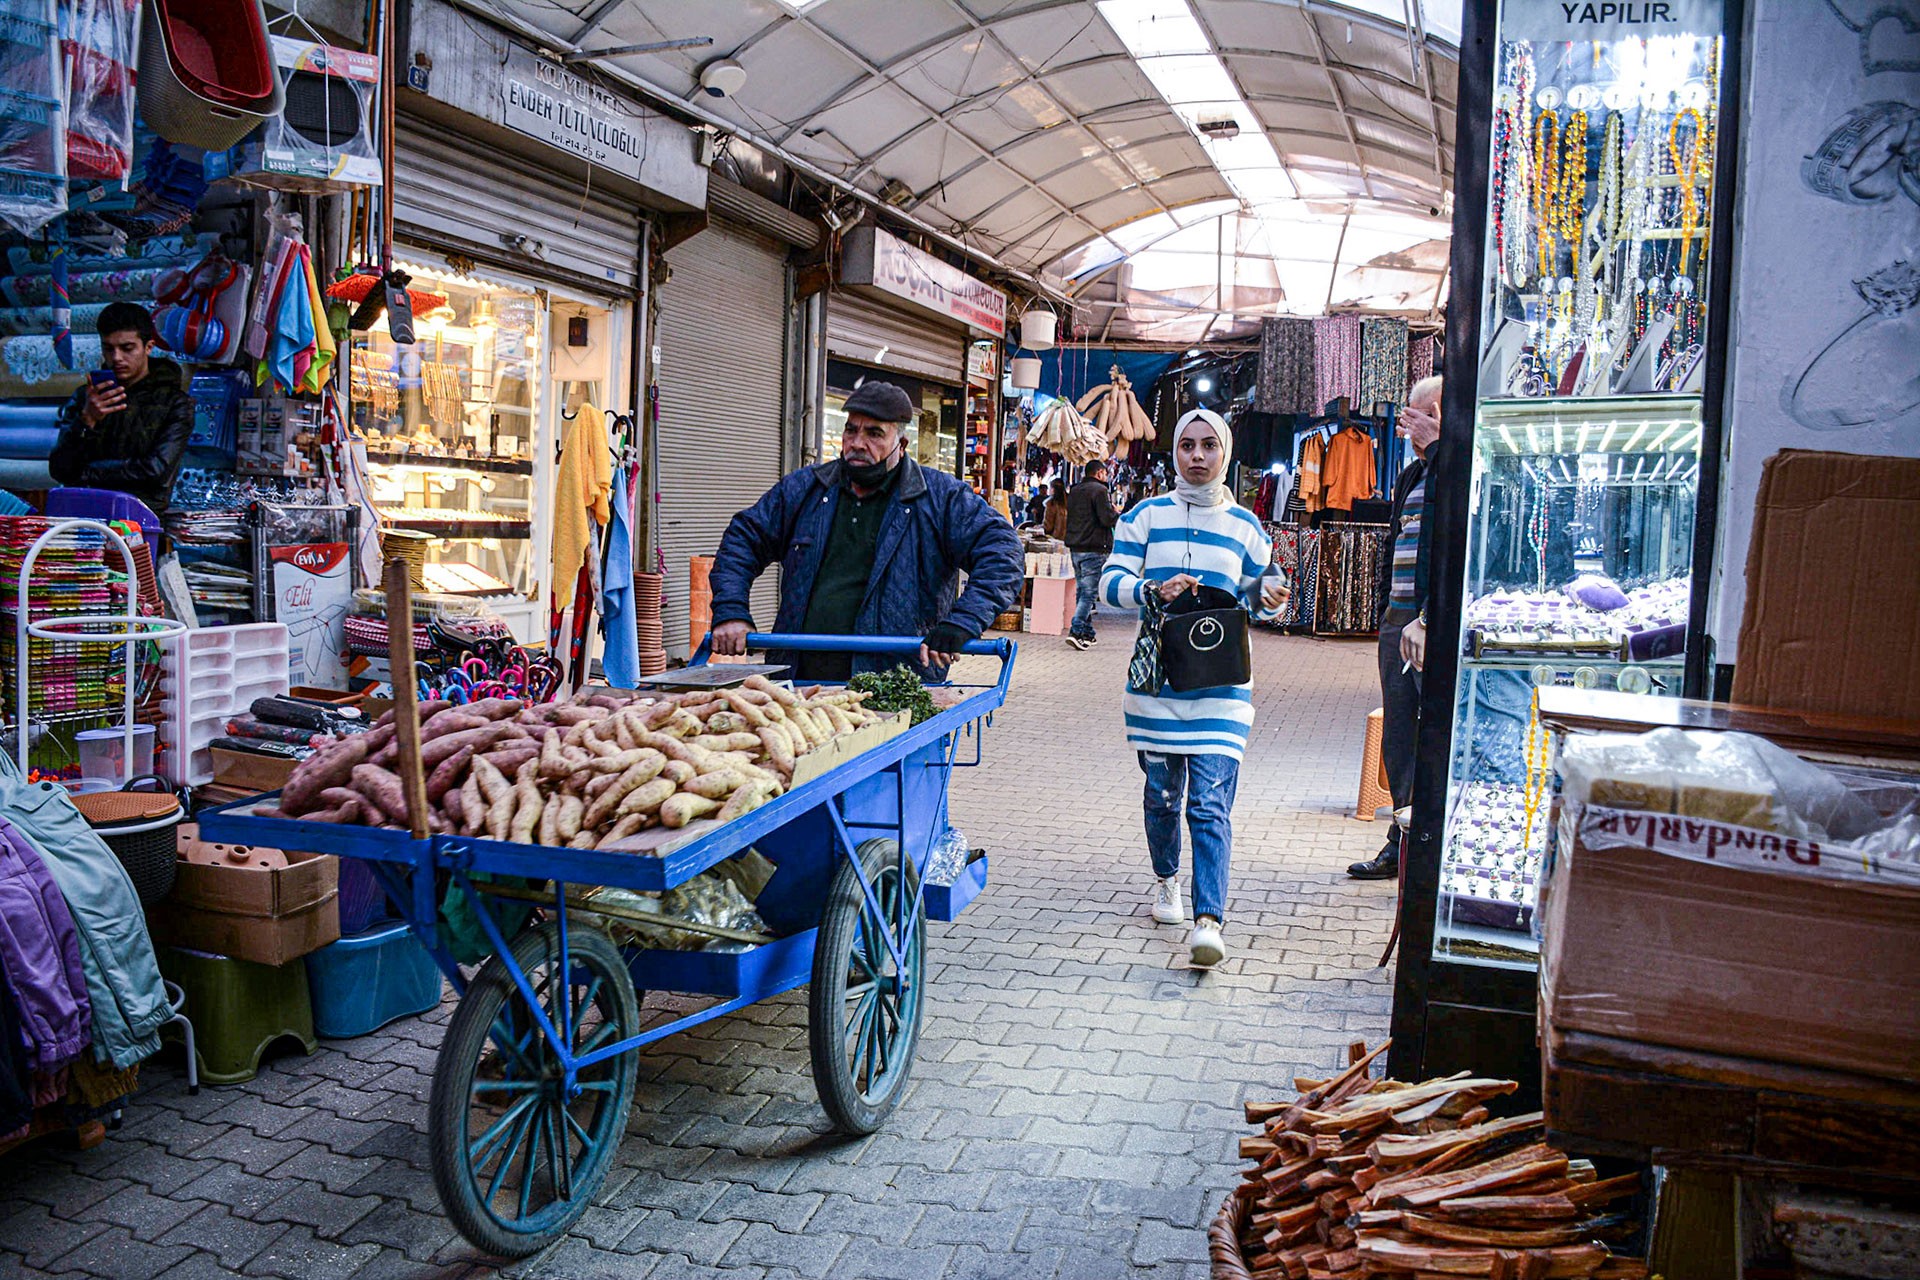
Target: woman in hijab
x=1190, y=744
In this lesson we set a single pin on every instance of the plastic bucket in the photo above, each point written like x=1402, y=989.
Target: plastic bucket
x=1026, y=373
x=103, y=753
x=1037, y=329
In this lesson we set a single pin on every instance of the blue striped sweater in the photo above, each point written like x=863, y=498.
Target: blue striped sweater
x=1223, y=547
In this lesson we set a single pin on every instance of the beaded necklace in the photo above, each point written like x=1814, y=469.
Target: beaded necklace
x=1502, y=159
x=1571, y=194
x=1545, y=187
x=1521, y=176
x=1686, y=167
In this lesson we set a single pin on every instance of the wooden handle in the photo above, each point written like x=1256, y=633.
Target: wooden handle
x=406, y=705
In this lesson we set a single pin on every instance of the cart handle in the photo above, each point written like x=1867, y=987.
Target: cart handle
x=796, y=643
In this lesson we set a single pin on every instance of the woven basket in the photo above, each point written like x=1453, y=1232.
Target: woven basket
x=1223, y=1237
x=179, y=114
x=1008, y=621
x=141, y=827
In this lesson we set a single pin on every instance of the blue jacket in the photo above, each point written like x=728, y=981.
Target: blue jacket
x=934, y=525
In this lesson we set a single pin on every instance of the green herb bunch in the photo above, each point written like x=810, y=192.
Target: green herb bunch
x=896, y=690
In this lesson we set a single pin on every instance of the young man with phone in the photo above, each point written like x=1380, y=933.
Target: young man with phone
x=127, y=427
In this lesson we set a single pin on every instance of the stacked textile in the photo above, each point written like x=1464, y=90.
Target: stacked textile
x=70, y=579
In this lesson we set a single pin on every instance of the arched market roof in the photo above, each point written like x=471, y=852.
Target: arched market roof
x=1070, y=138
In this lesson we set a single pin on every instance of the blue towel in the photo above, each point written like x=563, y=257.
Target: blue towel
x=620, y=660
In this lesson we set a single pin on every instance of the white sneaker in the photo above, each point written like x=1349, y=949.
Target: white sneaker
x=1167, y=905
x=1205, y=945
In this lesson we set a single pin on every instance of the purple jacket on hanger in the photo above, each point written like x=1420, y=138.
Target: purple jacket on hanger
x=40, y=956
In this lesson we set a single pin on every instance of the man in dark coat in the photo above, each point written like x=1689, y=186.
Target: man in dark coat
x=869, y=544
x=1089, y=536
x=130, y=433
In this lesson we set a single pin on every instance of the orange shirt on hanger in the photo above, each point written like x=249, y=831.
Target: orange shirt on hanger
x=1348, y=475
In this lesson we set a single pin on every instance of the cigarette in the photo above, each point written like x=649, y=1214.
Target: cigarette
x=1406, y=666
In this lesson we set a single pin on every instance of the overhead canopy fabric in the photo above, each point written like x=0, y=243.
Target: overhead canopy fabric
x=1058, y=134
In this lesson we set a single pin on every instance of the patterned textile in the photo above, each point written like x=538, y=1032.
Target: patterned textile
x=1354, y=561
x=1297, y=552
x=1285, y=384
x=1383, y=364
x=1420, y=359
x=1336, y=359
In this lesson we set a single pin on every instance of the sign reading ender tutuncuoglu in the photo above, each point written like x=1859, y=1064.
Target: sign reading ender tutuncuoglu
x=545, y=100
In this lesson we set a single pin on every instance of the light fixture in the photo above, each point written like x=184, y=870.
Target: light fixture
x=1219, y=128
x=1203, y=385
x=896, y=193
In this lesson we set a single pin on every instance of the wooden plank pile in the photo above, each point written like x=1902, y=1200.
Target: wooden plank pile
x=1363, y=1177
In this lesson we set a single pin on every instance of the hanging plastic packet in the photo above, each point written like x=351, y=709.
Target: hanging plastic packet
x=947, y=858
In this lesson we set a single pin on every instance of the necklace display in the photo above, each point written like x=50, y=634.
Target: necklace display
x=1595, y=238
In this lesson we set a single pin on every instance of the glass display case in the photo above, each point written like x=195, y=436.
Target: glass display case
x=1572, y=524
x=1578, y=572
x=451, y=424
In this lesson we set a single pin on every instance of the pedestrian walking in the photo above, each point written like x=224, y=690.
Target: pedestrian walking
x=1053, y=517
x=1190, y=742
x=1089, y=537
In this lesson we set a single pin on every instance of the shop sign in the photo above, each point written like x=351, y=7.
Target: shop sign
x=980, y=364
x=1617, y=19
x=312, y=591
x=544, y=100
x=884, y=262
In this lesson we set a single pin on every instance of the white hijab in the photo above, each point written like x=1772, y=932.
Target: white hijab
x=1214, y=492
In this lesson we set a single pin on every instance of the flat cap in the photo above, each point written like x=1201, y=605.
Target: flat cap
x=882, y=401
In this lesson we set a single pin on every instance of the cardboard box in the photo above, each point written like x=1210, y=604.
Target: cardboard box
x=1699, y=954
x=1832, y=621
x=245, y=771
x=267, y=915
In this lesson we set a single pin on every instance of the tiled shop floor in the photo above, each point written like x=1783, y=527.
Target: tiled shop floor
x=1073, y=1112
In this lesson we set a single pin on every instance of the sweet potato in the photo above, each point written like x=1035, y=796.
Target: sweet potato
x=728, y=722
x=500, y=813
x=779, y=748
x=632, y=824
x=331, y=766
x=779, y=693
x=684, y=807
x=743, y=741
x=639, y=774
x=447, y=774
x=473, y=806
x=749, y=796
x=495, y=708
x=510, y=758
x=547, y=831
x=678, y=772
x=527, y=807
x=454, y=805
x=597, y=787
x=645, y=799
x=748, y=711
x=493, y=783
x=716, y=786
x=584, y=840
x=573, y=811
x=450, y=722
x=348, y=814
x=576, y=715
x=552, y=763
x=381, y=788
x=840, y=720
x=620, y=763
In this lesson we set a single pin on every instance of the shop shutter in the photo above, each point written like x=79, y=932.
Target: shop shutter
x=460, y=195
x=722, y=340
x=903, y=338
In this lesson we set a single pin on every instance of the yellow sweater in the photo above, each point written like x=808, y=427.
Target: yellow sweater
x=580, y=491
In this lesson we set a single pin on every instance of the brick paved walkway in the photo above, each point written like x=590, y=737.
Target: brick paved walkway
x=1073, y=1112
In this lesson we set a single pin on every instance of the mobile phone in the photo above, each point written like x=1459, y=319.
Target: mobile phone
x=102, y=378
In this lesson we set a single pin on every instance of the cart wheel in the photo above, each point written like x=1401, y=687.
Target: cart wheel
x=515, y=1160
x=863, y=1011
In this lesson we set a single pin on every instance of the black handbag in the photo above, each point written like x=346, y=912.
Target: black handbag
x=1203, y=641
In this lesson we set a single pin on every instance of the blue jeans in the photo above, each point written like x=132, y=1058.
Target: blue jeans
x=1086, y=571
x=1209, y=803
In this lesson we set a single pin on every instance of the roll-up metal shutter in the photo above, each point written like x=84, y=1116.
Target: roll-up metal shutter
x=870, y=332
x=459, y=195
x=722, y=340
x=751, y=209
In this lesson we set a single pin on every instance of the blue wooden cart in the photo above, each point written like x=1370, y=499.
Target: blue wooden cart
x=536, y=1072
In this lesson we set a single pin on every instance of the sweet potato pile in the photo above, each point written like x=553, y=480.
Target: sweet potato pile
x=1363, y=1177
x=588, y=772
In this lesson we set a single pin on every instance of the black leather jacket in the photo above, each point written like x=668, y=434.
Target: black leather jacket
x=136, y=451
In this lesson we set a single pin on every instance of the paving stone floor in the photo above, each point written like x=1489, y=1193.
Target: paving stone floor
x=1073, y=1112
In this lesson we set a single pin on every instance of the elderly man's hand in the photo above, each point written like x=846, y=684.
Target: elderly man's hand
x=929, y=658
x=730, y=639
x=1420, y=427
x=1413, y=644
